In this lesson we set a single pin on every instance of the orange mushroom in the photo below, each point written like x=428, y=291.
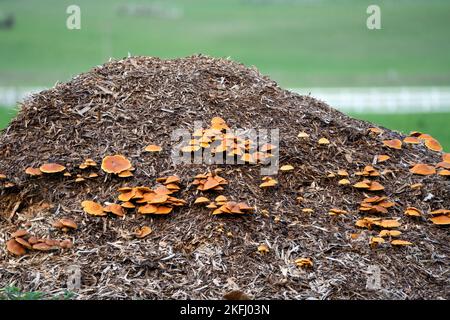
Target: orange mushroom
x=446, y=157
x=153, y=148
x=52, y=168
x=441, y=220
x=304, y=262
x=68, y=223
x=19, y=233
x=382, y=158
x=125, y=174
x=393, y=144
x=33, y=171
x=423, y=169
x=413, y=212
x=433, y=144
x=201, y=200
x=399, y=242
x=143, y=232
x=148, y=209
x=15, y=248
x=115, y=209
x=411, y=140
x=287, y=167
x=93, y=208
x=376, y=130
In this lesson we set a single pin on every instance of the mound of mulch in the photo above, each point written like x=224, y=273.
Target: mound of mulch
x=123, y=106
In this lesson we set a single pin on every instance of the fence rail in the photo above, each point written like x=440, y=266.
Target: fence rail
x=358, y=100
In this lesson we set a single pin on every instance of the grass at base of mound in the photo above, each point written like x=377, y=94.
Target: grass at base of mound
x=435, y=124
x=14, y=293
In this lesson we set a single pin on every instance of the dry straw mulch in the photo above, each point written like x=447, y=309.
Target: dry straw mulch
x=301, y=240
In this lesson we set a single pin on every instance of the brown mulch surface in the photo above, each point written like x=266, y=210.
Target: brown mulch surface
x=124, y=105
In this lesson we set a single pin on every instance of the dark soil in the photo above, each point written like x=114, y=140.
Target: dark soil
x=124, y=105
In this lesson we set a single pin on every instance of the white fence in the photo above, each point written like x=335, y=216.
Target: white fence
x=358, y=100
x=384, y=99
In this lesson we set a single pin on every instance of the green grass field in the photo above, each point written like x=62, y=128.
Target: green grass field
x=298, y=43
x=435, y=124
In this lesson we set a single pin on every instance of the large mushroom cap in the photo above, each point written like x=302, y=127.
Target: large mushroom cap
x=115, y=164
x=15, y=248
x=93, y=208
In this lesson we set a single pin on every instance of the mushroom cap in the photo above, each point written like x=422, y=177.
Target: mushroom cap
x=24, y=243
x=148, y=209
x=69, y=223
x=52, y=168
x=303, y=135
x=201, y=200
x=163, y=210
x=125, y=174
x=413, y=212
x=399, y=242
x=286, y=167
x=172, y=179
x=143, y=232
x=19, y=233
x=433, y=144
x=115, y=164
x=393, y=144
x=423, y=169
x=15, y=248
x=66, y=244
x=383, y=157
x=128, y=205
x=42, y=246
x=153, y=148
x=221, y=198
x=441, y=220
x=33, y=171
x=93, y=208
x=115, y=209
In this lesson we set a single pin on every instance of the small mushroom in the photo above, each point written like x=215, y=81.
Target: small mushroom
x=24, y=243
x=33, y=171
x=93, y=208
x=66, y=244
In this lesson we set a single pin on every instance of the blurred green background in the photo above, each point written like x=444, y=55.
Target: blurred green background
x=298, y=43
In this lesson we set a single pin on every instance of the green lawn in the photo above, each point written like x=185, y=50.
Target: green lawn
x=298, y=43
x=435, y=124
